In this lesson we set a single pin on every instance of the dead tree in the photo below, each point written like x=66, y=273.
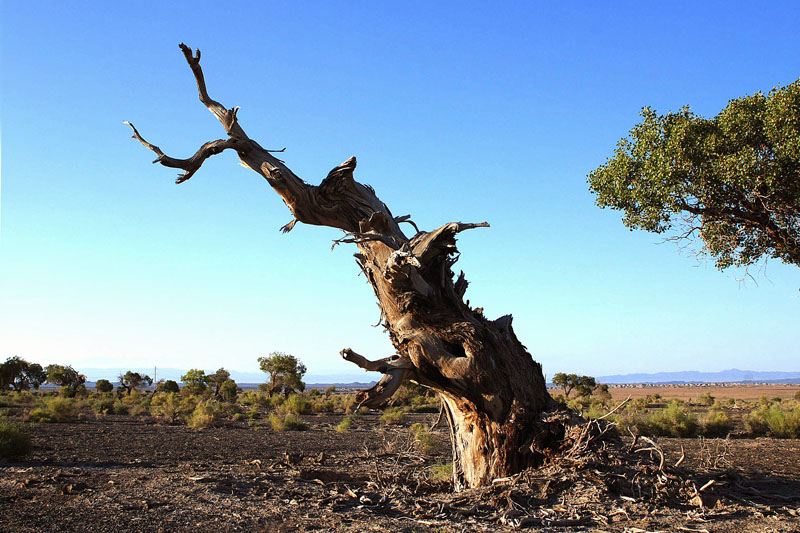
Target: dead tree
x=499, y=411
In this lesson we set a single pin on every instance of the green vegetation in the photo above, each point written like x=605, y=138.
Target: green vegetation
x=730, y=180
x=584, y=385
x=346, y=423
x=14, y=441
x=423, y=440
x=393, y=416
x=21, y=375
x=130, y=381
x=285, y=373
x=168, y=386
x=717, y=423
x=774, y=420
x=289, y=422
x=103, y=385
x=441, y=473
x=54, y=409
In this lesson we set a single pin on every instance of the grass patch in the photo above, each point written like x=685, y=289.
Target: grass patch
x=290, y=422
x=346, y=423
x=393, y=416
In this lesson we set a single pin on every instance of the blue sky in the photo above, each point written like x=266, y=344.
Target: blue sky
x=455, y=110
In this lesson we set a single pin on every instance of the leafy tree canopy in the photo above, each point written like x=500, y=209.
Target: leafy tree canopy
x=20, y=375
x=103, y=385
x=65, y=376
x=132, y=380
x=285, y=372
x=733, y=181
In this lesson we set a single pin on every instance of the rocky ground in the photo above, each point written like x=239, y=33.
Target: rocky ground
x=118, y=473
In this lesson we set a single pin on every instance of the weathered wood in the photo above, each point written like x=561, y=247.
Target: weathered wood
x=493, y=392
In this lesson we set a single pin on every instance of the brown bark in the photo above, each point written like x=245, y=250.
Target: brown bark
x=494, y=393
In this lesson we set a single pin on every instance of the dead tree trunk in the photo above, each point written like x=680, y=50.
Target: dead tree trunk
x=494, y=393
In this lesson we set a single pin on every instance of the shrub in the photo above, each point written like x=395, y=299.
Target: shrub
x=675, y=420
x=774, y=421
x=103, y=385
x=14, y=442
x=441, y=473
x=169, y=385
x=297, y=404
x=717, y=423
x=797, y=396
x=171, y=406
x=290, y=422
x=393, y=416
x=705, y=399
x=324, y=405
x=54, y=409
x=204, y=415
x=252, y=397
x=346, y=423
x=102, y=403
x=423, y=440
x=228, y=390
x=120, y=408
x=329, y=390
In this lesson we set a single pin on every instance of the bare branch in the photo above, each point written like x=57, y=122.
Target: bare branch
x=192, y=164
x=226, y=116
x=395, y=369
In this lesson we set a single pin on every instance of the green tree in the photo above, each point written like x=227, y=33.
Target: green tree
x=585, y=385
x=565, y=381
x=195, y=380
x=732, y=180
x=133, y=380
x=216, y=380
x=103, y=385
x=285, y=372
x=228, y=391
x=64, y=376
x=20, y=375
x=169, y=385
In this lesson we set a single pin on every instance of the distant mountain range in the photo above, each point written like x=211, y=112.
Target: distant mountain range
x=734, y=375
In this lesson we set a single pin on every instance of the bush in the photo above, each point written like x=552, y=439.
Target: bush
x=329, y=390
x=228, y=390
x=103, y=385
x=102, y=403
x=290, y=422
x=54, y=409
x=393, y=416
x=204, y=415
x=675, y=420
x=774, y=421
x=171, y=406
x=717, y=423
x=423, y=440
x=297, y=404
x=705, y=399
x=797, y=396
x=252, y=397
x=14, y=442
x=120, y=408
x=441, y=473
x=168, y=386
x=346, y=423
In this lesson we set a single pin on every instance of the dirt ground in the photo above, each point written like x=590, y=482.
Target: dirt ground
x=119, y=473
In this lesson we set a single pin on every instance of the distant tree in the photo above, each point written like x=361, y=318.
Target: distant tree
x=285, y=372
x=64, y=376
x=731, y=180
x=195, y=380
x=585, y=385
x=228, y=391
x=103, y=385
x=168, y=386
x=130, y=381
x=565, y=381
x=216, y=380
x=21, y=375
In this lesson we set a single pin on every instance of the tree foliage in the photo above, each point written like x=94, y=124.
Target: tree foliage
x=20, y=375
x=733, y=181
x=103, y=385
x=195, y=380
x=216, y=380
x=64, y=376
x=584, y=385
x=133, y=380
x=285, y=372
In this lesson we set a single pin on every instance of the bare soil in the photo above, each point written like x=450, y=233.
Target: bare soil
x=132, y=474
x=736, y=391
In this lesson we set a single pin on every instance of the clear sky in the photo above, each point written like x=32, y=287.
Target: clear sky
x=457, y=111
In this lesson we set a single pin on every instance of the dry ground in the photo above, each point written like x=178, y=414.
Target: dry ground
x=720, y=392
x=131, y=474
